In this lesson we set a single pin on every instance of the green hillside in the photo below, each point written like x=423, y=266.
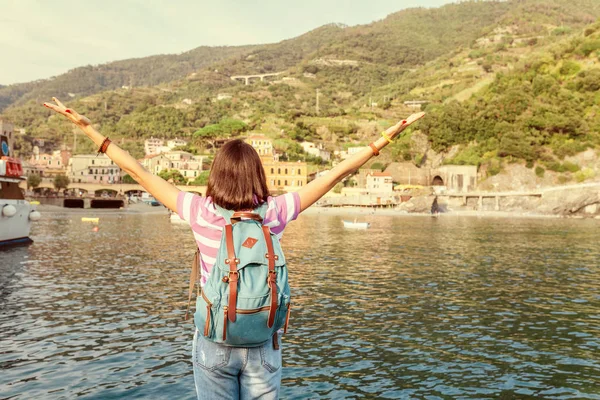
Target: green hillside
x=147, y=71
x=504, y=81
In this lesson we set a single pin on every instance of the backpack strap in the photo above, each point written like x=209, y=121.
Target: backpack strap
x=194, y=279
x=238, y=215
x=233, y=276
x=272, y=277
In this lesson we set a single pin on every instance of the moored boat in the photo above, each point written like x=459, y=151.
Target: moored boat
x=356, y=225
x=16, y=213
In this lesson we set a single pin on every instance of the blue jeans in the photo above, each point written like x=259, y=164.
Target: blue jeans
x=223, y=372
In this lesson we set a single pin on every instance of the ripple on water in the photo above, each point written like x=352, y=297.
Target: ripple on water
x=451, y=308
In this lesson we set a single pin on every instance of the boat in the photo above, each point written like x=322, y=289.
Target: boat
x=16, y=213
x=356, y=225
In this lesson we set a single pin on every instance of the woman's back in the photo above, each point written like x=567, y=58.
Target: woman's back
x=207, y=224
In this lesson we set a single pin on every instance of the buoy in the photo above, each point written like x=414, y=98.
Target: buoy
x=35, y=215
x=34, y=203
x=86, y=219
x=95, y=229
x=9, y=210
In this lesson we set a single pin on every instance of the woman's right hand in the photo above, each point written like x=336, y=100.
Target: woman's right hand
x=71, y=114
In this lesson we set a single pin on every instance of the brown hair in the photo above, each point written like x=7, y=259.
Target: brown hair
x=237, y=180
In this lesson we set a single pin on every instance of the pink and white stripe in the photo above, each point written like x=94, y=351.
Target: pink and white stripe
x=207, y=225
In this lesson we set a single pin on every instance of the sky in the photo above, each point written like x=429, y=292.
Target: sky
x=40, y=39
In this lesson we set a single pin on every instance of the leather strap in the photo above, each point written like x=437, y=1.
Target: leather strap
x=233, y=272
x=194, y=279
x=287, y=318
x=272, y=277
x=225, y=324
x=374, y=148
x=275, y=341
x=238, y=215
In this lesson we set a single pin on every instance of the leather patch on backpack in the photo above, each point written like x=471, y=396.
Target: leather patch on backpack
x=250, y=242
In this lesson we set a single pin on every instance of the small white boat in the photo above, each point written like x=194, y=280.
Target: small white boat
x=356, y=225
x=175, y=219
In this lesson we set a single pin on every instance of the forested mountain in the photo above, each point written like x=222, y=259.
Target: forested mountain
x=504, y=81
x=147, y=71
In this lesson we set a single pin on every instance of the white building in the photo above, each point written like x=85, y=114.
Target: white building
x=188, y=164
x=157, y=146
x=92, y=168
x=380, y=182
x=171, y=144
x=262, y=144
x=316, y=151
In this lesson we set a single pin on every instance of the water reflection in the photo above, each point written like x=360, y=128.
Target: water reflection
x=412, y=308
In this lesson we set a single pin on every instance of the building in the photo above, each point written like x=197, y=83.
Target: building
x=454, y=178
x=157, y=146
x=93, y=168
x=361, y=176
x=281, y=176
x=6, y=133
x=379, y=182
x=173, y=143
x=285, y=176
x=49, y=165
x=152, y=145
x=316, y=151
x=156, y=162
x=262, y=144
x=189, y=165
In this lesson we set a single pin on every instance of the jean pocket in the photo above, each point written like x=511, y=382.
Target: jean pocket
x=209, y=355
x=271, y=358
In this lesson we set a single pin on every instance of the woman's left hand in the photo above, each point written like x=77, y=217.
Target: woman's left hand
x=71, y=114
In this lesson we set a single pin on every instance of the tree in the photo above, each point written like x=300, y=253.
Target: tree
x=202, y=179
x=172, y=175
x=224, y=129
x=33, y=181
x=128, y=179
x=61, y=182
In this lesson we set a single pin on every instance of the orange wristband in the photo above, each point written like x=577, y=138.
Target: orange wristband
x=375, y=149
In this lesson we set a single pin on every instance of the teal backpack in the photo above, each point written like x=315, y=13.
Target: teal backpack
x=246, y=299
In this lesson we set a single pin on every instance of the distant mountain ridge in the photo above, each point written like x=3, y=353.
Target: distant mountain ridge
x=495, y=75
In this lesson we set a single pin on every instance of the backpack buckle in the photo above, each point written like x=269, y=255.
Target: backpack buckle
x=237, y=274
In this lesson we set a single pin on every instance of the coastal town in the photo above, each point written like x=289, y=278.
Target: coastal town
x=52, y=172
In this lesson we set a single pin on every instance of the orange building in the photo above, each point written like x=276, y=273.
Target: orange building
x=281, y=176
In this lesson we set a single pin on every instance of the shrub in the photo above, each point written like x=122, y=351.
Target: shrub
x=571, y=167
x=529, y=164
x=584, y=174
x=569, y=68
x=539, y=171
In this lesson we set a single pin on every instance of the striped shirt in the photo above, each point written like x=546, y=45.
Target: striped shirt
x=207, y=224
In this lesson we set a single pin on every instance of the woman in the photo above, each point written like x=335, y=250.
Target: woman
x=236, y=182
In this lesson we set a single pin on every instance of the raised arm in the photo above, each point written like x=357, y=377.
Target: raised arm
x=312, y=192
x=162, y=190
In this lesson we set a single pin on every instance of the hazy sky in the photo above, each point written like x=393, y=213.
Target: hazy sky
x=39, y=39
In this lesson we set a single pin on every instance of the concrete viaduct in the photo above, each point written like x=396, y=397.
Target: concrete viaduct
x=246, y=78
x=124, y=188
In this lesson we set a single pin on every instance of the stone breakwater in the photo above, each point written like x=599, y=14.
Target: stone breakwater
x=579, y=202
